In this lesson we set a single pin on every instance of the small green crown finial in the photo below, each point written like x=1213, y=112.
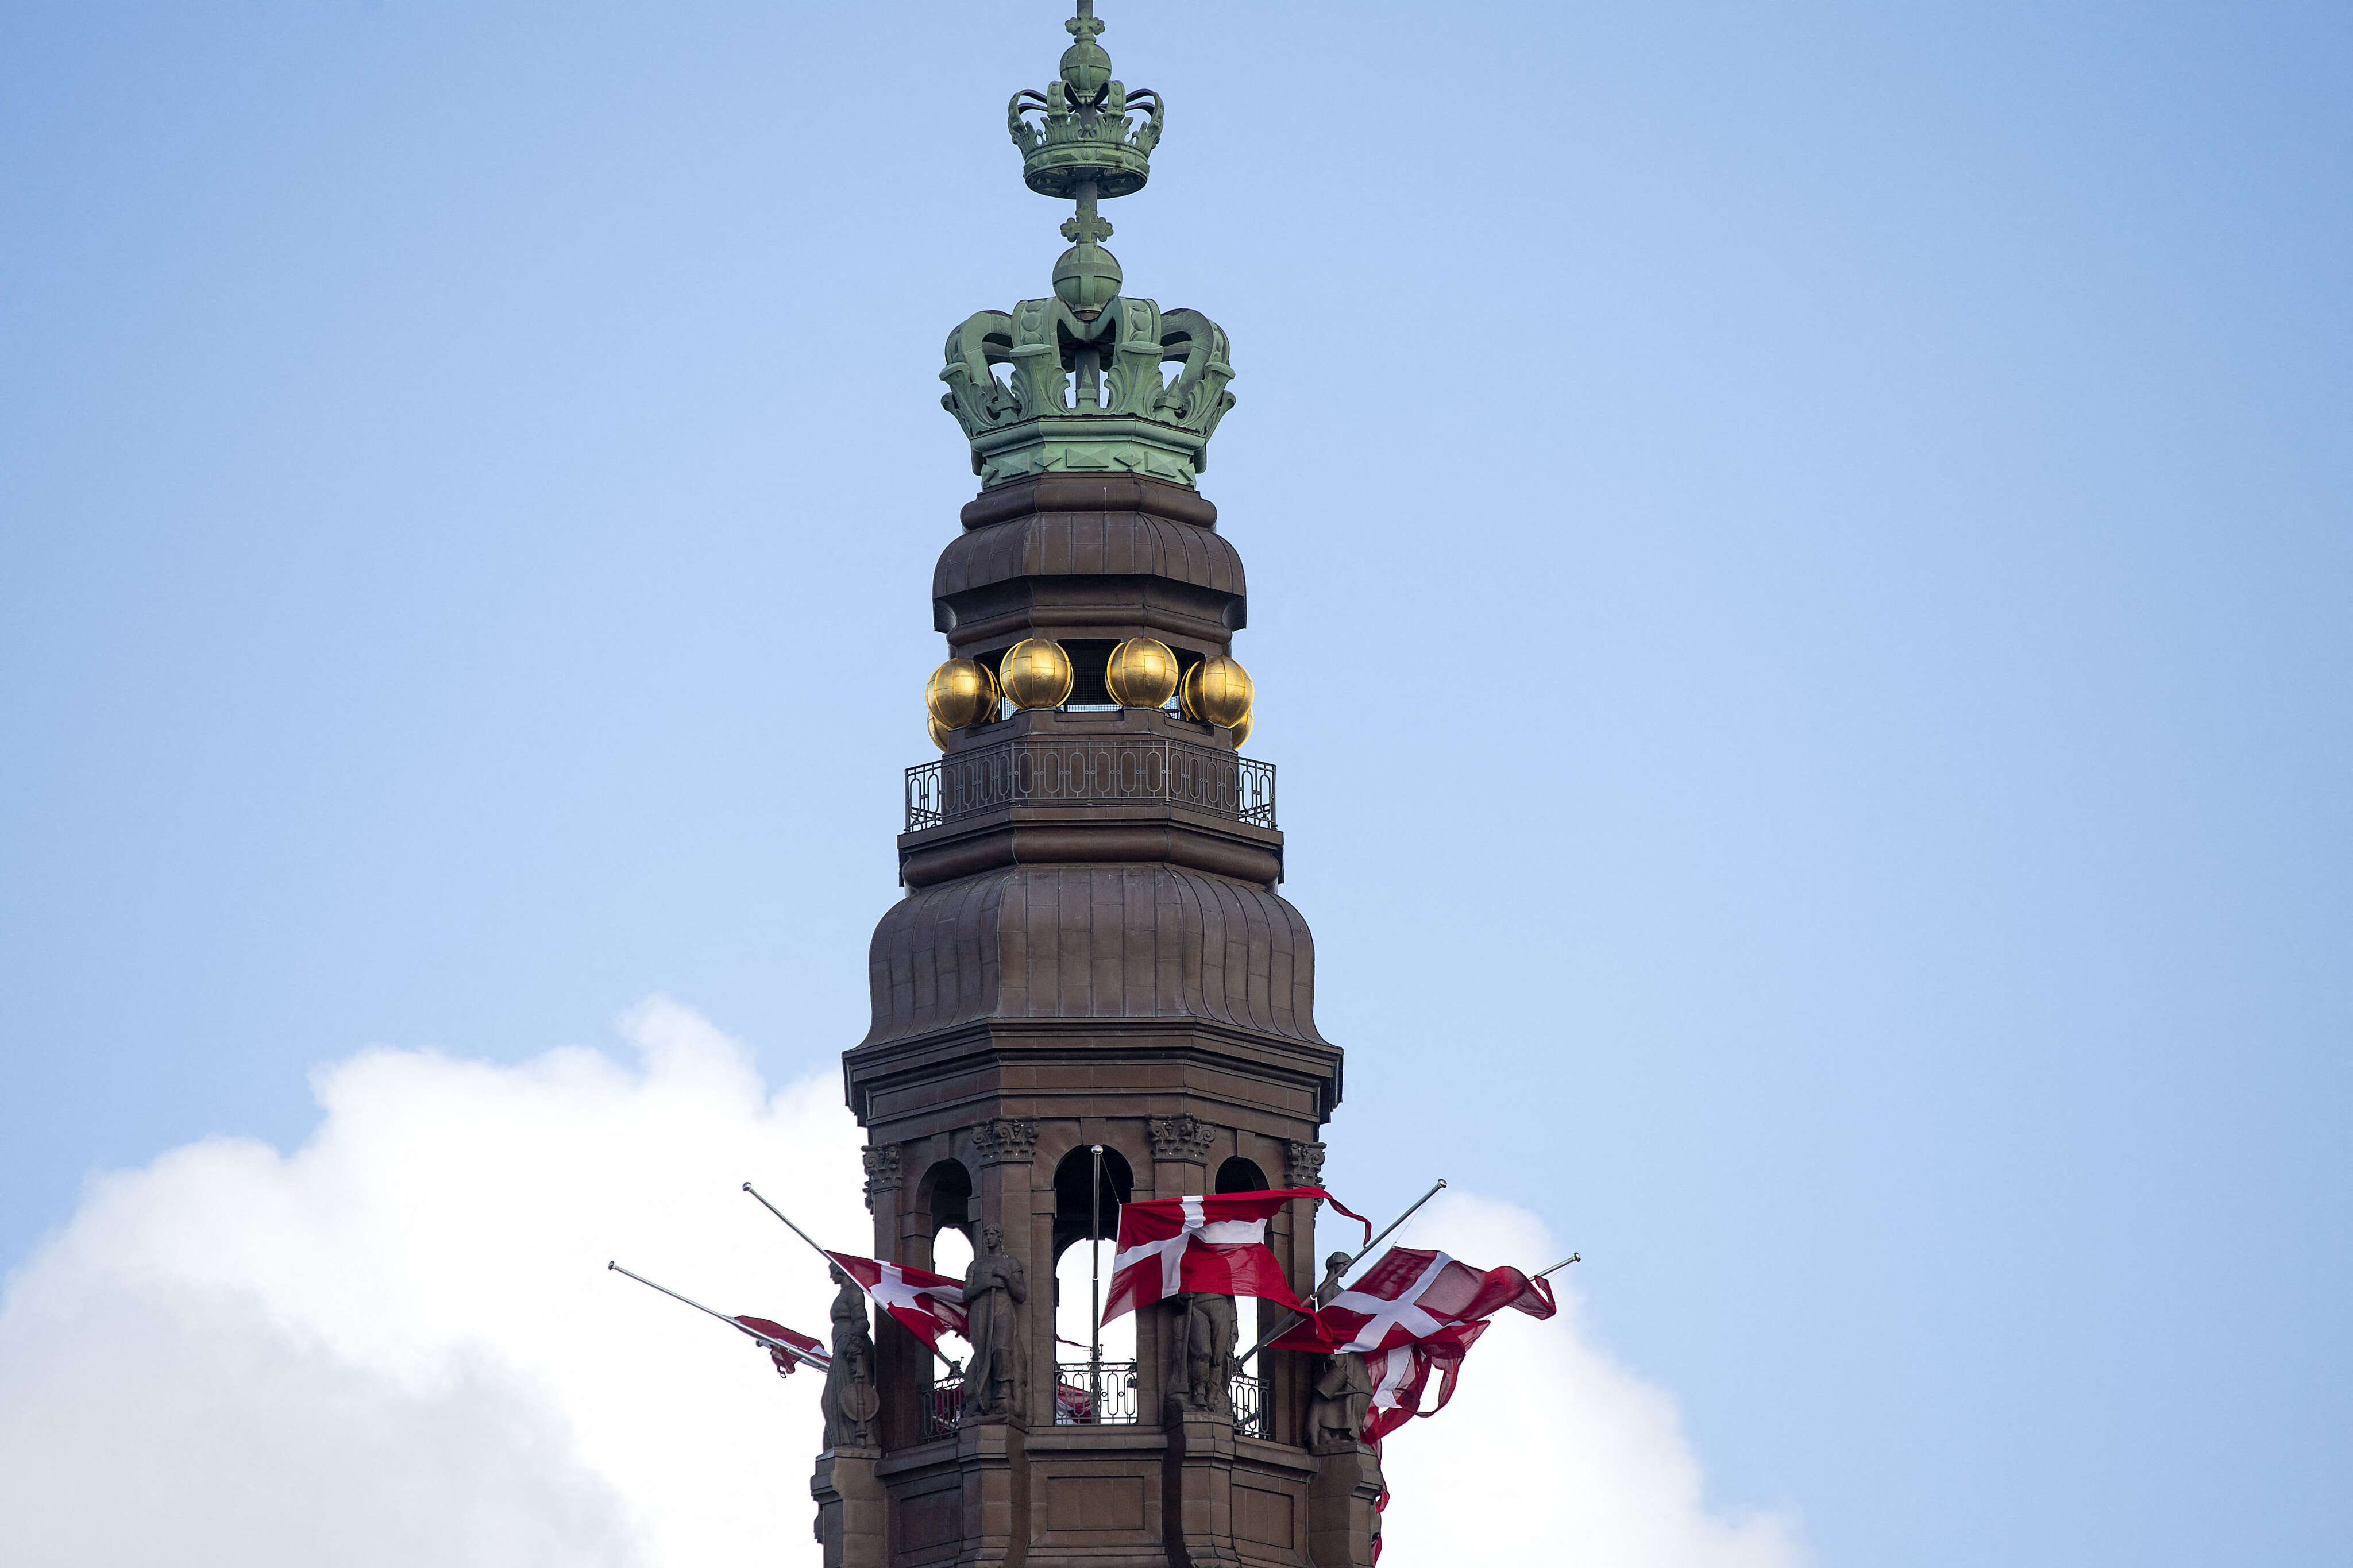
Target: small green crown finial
x=1085, y=392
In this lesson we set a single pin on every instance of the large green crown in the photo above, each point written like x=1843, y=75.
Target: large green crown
x=1084, y=391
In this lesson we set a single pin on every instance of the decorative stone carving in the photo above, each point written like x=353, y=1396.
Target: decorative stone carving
x=1343, y=1393
x=850, y=1401
x=1183, y=1137
x=1305, y=1167
x=1005, y=1140
x=1200, y=1355
x=881, y=1171
x=994, y=1291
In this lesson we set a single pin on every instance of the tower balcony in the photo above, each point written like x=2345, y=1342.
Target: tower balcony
x=1089, y=786
x=1065, y=770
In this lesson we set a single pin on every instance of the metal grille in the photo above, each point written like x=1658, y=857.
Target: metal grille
x=943, y=1409
x=1249, y=1414
x=1094, y=1393
x=1032, y=772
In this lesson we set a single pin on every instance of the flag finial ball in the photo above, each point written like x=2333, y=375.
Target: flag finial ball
x=1217, y=689
x=960, y=692
x=1036, y=673
x=1141, y=673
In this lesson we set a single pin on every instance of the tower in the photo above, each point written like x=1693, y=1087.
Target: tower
x=1091, y=949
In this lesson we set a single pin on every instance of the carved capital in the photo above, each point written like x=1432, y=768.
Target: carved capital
x=1184, y=1137
x=1304, y=1165
x=881, y=1171
x=1005, y=1140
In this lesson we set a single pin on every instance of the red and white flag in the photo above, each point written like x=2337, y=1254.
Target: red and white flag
x=785, y=1361
x=1409, y=1295
x=1401, y=1376
x=927, y=1304
x=1214, y=1244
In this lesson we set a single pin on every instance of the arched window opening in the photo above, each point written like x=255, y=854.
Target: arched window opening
x=1076, y=1183
x=951, y=1253
x=945, y=1194
x=1240, y=1175
x=1083, y=1245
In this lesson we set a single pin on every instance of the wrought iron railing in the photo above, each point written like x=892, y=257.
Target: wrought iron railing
x=1091, y=1394
x=1033, y=770
x=943, y=1409
x=1250, y=1408
x=1094, y=1393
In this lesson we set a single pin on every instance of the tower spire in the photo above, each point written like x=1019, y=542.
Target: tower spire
x=1093, y=991
x=1084, y=389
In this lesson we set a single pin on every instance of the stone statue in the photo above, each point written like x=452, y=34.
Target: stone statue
x=1201, y=1354
x=850, y=1401
x=994, y=1289
x=1343, y=1392
x=1333, y=1266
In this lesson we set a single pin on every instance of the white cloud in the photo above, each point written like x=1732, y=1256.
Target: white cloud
x=399, y=1344
x=1552, y=1451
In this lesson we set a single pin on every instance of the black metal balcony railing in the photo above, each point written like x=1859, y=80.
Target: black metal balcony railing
x=1126, y=771
x=1094, y=1394
x=1250, y=1410
x=943, y=1409
x=1091, y=1394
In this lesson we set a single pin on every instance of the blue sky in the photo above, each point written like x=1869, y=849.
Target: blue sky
x=1799, y=574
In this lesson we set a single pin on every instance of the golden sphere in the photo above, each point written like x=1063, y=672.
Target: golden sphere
x=1036, y=673
x=939, y=733
x=1242, y=727
x=1218, y=690
x=1141, y=673
x=960, y=692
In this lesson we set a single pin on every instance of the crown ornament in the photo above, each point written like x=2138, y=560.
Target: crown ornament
x=1077, y=382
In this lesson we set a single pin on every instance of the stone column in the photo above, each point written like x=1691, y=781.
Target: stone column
x=898, y=1356
x=850, y=1509
x=995, y=1460
x=993, y=1453
x=1197, y=1491
x=1344, y=1505
x=1180, y=1156
x=1285, y=1375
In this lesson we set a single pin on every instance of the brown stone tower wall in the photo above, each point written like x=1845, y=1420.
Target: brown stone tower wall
x=1084, y=956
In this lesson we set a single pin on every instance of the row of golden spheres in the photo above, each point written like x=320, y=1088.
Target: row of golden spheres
x=1036, y=673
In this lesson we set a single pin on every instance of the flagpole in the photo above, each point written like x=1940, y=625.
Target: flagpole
x=796, y=1230
x=1314, y=1296
x=1572, y=1257
x=791, y=1350
x=821, y=1252
x=1094, y=1284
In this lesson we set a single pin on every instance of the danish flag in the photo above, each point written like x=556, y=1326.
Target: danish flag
x=1215, y=1244
x=1401, y=1375
x=927, y=1304
x=1409, y=1295
x=784, y=1360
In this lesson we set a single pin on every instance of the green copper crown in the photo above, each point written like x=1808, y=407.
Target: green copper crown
x=1084, y=391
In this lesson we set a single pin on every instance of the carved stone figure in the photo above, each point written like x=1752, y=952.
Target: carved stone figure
x=994, y=1290
x=1333, y=1266
x=1201, y=1353
x=1343, y=1392
x=850, y=1401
